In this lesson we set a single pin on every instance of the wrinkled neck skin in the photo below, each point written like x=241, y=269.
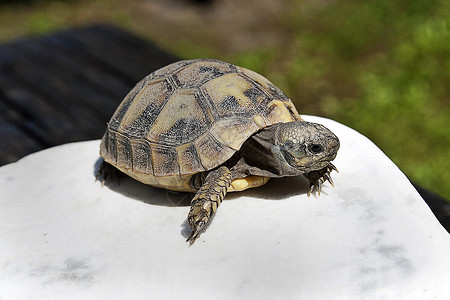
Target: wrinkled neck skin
x=284, y=149
x=261, y=155
x=270, y=141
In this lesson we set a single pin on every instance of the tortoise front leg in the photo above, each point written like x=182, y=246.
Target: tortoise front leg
x=207, y=200
x=316, y=178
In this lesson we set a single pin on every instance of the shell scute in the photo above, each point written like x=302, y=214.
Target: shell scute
x=233, y=132
x=188, y=159
x=232, y=95
x=181, y=120
x=164, y=72
x=141, y=152
x=108, y=149
x=164, y=161
x=124, y=106
x=211, y=151
x=278, y=112
x=197, y=73
x=124, y=157
x=145, y=107
x=271, y=89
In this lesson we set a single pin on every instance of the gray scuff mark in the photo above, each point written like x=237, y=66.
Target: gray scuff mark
x=357, y=198
x=72, y=270
x=383, y=263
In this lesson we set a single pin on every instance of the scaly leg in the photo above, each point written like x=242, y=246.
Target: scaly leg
x=207, y=200
x=107, y=171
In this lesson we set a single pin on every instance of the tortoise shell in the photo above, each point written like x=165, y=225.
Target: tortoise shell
x=190, y=117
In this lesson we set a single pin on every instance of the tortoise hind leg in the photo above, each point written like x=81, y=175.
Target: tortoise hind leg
x=107, y=171
x=207, y=200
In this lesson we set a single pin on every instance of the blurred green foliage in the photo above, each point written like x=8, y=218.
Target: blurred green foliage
x=379, y=66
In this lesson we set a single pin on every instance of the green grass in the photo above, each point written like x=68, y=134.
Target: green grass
x=381, y=67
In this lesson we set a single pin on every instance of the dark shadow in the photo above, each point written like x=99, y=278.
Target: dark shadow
x=275, y=189
x=185, y=229
x=134, y=189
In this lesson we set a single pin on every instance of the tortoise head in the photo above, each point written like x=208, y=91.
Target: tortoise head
x=305, y=146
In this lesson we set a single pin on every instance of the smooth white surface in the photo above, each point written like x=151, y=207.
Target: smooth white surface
x=63, y=236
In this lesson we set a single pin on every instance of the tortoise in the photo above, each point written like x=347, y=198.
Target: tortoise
x=211, y=127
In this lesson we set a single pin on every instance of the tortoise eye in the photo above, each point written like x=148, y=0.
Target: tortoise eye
x=316, y=148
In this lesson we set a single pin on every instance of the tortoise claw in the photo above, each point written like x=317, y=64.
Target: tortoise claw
x=197, y=219
x=328, y=178
x=316, y=186
x=319, y=185
x=317, y=178
x=332, y=167
x=311, y=189
x=194, y=234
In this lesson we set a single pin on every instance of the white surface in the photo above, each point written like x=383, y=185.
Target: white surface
x=62, y=236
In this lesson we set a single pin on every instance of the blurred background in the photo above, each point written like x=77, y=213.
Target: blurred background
x=381, y=67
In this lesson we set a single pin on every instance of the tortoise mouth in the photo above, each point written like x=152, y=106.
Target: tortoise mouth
x=318, y=165
x=307, y=164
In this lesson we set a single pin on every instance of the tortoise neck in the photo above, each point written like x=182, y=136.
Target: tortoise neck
x=260, y=155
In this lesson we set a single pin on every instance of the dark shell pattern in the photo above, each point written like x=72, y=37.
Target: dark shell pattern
x=190, y=117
